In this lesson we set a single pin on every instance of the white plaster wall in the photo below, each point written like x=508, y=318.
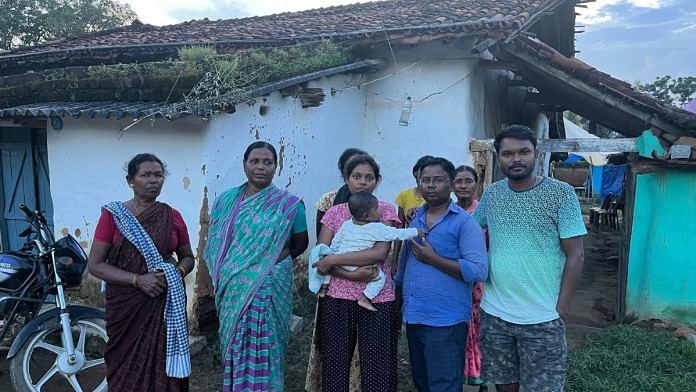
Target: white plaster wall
x=87, y=157
x=309, y=141
x=365, y=117
x=87, y=161
x=440, y=124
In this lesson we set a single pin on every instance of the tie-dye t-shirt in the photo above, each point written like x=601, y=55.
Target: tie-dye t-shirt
x=526, y=257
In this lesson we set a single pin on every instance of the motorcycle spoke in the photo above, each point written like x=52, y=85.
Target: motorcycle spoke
x=46, y=377
x=74, y=383
x=92, y=363
x=46, y=346
x=82, y=338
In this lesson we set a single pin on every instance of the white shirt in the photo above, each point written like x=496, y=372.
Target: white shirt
x=354, y=238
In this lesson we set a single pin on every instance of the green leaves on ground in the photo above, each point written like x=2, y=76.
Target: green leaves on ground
x=626, y=358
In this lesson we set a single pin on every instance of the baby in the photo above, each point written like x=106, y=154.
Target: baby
x=359, y=233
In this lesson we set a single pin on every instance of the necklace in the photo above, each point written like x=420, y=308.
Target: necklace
x=137, y=210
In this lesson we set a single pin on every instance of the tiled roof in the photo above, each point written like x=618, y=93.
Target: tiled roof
x=347, y=22
x=573, y=69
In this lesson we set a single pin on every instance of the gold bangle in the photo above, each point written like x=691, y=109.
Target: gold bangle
x=135, y=280
x=183, y=271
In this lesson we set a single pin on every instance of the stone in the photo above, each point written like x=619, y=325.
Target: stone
x=662, y=325
x=692, y=339
x=296, y=324
x=196, y=344
x=684, y=333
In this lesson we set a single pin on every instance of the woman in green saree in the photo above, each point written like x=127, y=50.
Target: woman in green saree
x=255, y=231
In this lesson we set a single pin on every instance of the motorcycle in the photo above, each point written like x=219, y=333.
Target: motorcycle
x=57, y=346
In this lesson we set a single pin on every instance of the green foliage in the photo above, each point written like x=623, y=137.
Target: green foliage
x=149, y=70
x=669, y=90
x=204, y=84
x=281, y=63
x=229, y=77
x=196, y=53
x=628, y=358
x=30, y=22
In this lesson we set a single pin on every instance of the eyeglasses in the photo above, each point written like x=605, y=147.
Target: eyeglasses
x=434, y=180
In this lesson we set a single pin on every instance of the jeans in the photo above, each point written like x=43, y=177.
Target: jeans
x=437, y=356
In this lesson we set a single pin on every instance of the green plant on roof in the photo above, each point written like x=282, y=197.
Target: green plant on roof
x=229, y=77
x=201, y=81
x=196, y=53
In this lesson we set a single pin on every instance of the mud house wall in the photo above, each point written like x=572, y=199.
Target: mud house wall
x=447, y=89
x=87, y=161
x=308, y=140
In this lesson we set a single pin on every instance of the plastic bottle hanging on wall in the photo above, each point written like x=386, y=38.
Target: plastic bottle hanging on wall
x=405, y=112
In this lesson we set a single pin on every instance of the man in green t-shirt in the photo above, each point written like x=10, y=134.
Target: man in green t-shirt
x=536, y=256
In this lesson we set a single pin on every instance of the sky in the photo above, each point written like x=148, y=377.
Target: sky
x=633, y=40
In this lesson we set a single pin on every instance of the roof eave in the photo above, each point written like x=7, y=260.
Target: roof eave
x=136, y=110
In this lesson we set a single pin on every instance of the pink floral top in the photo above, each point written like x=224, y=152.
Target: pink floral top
x=472, y=207
x=346, y=289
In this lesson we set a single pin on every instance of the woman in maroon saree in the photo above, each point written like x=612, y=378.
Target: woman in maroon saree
x=136, y=352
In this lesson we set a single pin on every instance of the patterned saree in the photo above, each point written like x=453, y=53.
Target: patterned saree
x=253, y=291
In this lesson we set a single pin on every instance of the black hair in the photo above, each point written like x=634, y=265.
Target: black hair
x=360, y=204
x=446, y=165
x=261, y=144
x=419, y=164
x=469, y=169
x=519, y=132
x=134, y=164
x=346, y=155
x=363, y=159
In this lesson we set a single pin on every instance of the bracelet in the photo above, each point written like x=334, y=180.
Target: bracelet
x=135, y=280
x=182, y=270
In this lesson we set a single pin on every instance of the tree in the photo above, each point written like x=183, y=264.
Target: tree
x=669, y=90
x=29, y=22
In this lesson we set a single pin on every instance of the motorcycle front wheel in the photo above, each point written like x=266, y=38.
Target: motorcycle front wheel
x=42, y=364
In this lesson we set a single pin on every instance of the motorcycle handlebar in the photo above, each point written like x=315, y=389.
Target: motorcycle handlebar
x=29, y=213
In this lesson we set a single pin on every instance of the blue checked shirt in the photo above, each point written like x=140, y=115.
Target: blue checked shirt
x=432, y=297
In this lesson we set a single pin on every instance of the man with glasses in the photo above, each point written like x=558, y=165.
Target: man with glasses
x=435, y=273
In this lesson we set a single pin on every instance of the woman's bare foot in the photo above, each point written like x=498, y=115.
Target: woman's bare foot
x=365, y=303
x=322, y=291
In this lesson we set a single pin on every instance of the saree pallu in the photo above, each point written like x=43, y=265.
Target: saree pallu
x=261, y=337
x=136, y=353
x=253, y=293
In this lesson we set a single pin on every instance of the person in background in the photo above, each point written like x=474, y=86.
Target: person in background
x=341, y=322
x=256, y=230
x=408, y=202
x=536, y=234
x=132, y=249
x=340, y=195
x=436, y=274
x=465, y=187
x=410, y=199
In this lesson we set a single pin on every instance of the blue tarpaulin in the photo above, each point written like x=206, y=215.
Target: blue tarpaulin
x=612, y=180
x=596, y=176
x=573, y=158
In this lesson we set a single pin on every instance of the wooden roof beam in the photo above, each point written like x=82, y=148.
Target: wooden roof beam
x=561, y=78
x=567, y=145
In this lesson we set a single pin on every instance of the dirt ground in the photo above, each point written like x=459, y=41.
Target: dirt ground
x=594, y=304
x=593, y=309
